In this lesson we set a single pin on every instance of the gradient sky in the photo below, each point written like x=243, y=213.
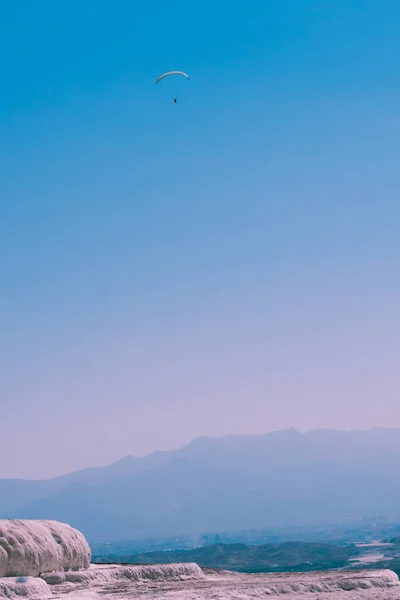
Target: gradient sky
x=228, y=264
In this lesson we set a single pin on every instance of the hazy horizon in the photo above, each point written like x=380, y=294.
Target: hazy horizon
x=224, y=265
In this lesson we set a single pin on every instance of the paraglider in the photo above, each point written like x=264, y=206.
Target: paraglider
x=173, y=74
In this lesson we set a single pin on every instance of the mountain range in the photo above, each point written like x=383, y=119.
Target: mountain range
x=228, y=483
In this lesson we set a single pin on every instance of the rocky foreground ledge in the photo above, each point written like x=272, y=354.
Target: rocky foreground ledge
x=46, y=559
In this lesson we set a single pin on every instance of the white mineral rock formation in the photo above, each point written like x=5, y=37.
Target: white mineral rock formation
x=24, y=587
x=29, y=548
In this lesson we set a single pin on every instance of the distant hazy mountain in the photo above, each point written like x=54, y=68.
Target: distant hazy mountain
x=214, y=484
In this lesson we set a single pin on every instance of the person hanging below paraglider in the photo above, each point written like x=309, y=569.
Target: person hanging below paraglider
x=174, y=74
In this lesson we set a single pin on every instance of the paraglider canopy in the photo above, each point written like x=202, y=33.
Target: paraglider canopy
x=173, y=75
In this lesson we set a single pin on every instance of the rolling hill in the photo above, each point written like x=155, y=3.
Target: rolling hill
x=299, y=556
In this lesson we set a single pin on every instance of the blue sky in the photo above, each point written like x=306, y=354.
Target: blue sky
x=228, y=264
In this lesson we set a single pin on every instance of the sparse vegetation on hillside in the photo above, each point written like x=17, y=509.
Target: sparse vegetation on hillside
x=289, y=556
